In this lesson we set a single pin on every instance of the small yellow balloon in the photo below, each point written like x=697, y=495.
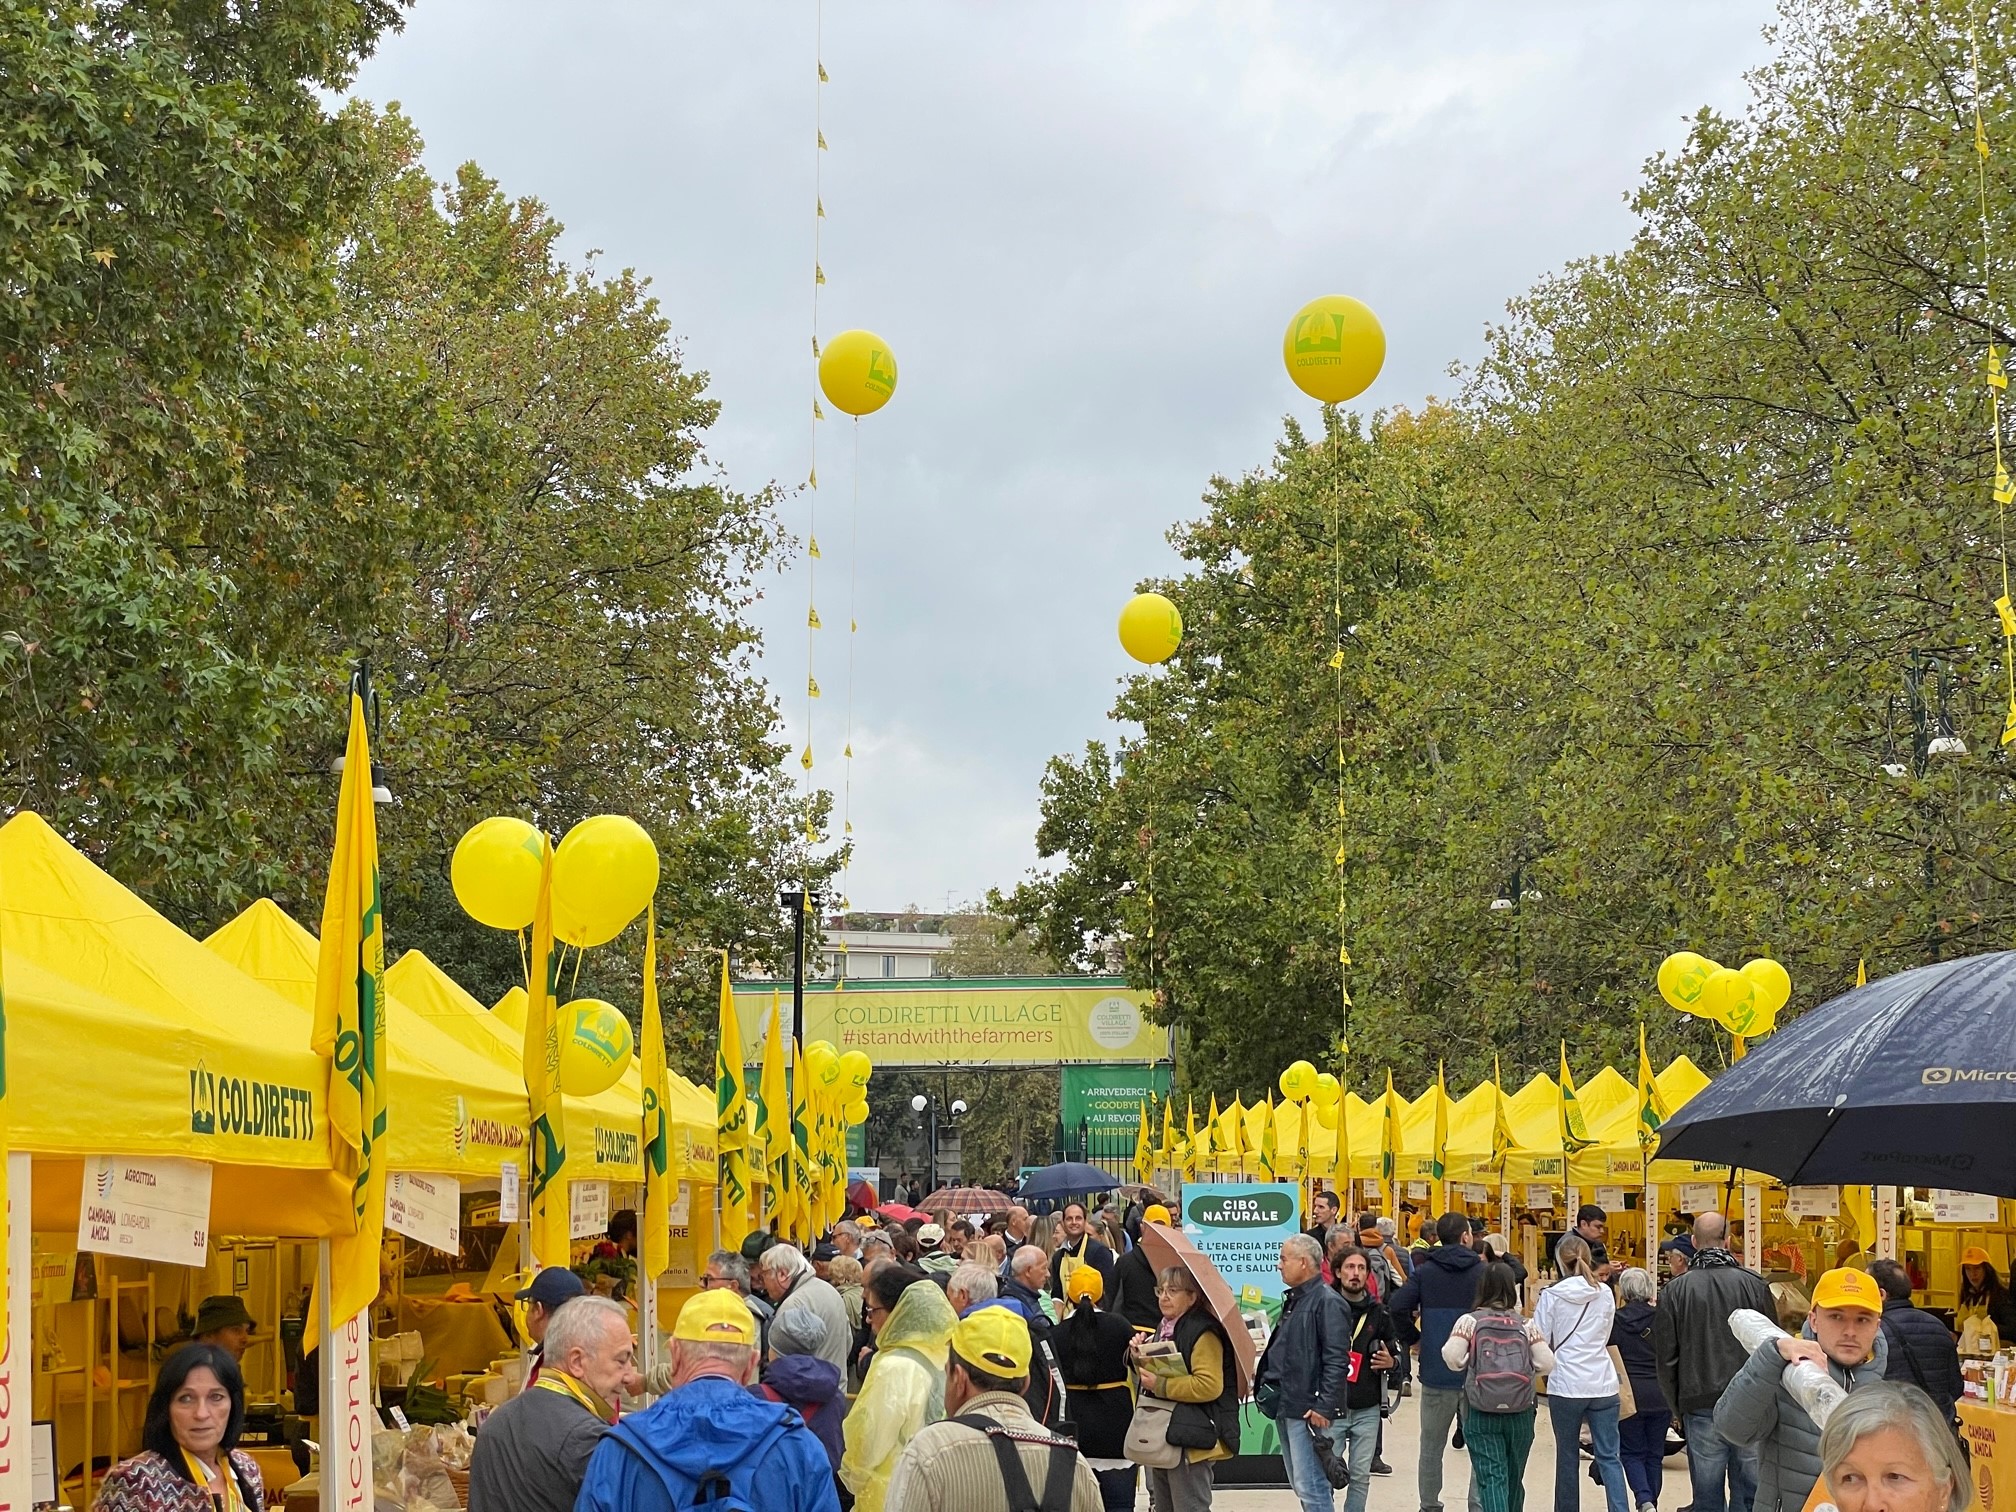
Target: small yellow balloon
x=594, y=1047
x=856, y=1112
x=1771, y=989
x=1150, y=628
x=854, y=1070
x=857, y=372
x=1298, y=1081
x=604, y=873
x=1682, y=975
x=1334, y=348
x=496, y=872
x=1326, y=1114
x=1328, y=1093
x=1727, y=998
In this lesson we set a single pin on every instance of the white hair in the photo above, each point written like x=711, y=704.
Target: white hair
x=1304, y=1246
x=1899, y=1405
x=783, y=1259
x=1635, y=1285
x=578, y=1323
x=973, y=1282
x=1028, y=1257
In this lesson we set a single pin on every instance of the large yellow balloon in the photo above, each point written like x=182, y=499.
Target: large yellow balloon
x=1771, y=989
x=604, y=874
x=1726, y=998
x=857, y=372
x=1150, y=628
x=1682, y=975
x=854, y=1070
x=496, y=872
x=594, y=1047
x=1328, y=1092
x=856, y=1112
x=1334, y=348
x=1298, y=1081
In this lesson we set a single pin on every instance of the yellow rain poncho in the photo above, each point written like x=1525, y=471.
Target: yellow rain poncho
x=905, y=1390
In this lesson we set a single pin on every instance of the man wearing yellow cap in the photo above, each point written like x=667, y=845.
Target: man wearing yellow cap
x=709, y=1436
x=1843, y=1336
x=988, y=1442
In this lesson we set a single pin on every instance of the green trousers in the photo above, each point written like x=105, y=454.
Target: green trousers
x=1498, y=1444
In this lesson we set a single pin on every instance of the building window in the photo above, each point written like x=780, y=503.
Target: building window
x=888, y=966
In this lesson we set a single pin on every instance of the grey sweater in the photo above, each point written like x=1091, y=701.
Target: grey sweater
x=1757, y=1409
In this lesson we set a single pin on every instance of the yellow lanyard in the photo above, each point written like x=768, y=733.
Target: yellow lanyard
x=229, y=1496
x=566, y=1385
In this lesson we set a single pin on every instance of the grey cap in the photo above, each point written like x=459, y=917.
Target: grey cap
x=797, y=1331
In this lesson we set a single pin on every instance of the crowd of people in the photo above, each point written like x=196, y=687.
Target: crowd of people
x=1620, y=1362
x=1024, y=1362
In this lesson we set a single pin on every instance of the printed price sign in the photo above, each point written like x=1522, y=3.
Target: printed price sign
x=1700, y=1197
x=153, y=1209
x=425, y=1208
x=507, y=1192
x=1812, y=1202
x=1964, y=1207
x=587, y=1209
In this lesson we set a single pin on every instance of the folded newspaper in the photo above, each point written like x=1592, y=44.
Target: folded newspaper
x=1160, y=1357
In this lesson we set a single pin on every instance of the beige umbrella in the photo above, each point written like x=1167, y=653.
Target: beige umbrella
x=1166, y=1246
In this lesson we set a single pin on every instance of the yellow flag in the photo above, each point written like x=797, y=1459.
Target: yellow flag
x=799, y=1202
x=1191, y=1149
x=1165, y=1152
x=1862, y=973
x=731, y=1110
x=546, y=1196
x=1269, y=1147
x=1574, y=1130
x=1144, y=1150
x=1231, y=1148
x=1502, y=1140
x=1652, y=1109
x=655, y=1243
x=5, y=1316
x=773, y=1116
x=1389, y=1134
x=350, y=1021
x=1438, y=1159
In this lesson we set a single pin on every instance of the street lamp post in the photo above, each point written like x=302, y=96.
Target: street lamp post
x=1932, y=735
x=794, y=899
x=926, y=1107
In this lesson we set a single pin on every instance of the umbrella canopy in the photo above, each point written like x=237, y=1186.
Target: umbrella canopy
x=862, y=1196
x=1067, y=1179
x=967, y=1200
x=1167, y=1246
x=1910, y=1080
x=895, y=1212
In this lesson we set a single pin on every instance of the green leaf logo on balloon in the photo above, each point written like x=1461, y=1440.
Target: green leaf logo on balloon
x=1744, y=1002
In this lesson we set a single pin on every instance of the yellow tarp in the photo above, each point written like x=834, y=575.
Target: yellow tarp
x=126, y=1034
x=448, y=1109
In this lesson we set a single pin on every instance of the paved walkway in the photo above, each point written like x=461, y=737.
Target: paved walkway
x=1396, y=1493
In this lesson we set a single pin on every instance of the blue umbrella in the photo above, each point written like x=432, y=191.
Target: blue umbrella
x=1069, y=1178
x=1909, y=1081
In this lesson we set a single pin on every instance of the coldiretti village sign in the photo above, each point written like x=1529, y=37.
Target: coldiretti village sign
x=966, y=1021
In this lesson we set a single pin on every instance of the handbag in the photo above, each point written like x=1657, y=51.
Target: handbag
x=1627, y=1400
x=1148, y=1435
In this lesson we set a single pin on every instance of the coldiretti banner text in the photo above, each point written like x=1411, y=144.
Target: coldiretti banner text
x=1030, y=1021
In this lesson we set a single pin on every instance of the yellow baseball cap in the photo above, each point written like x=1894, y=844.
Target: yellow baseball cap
x=1848, y=1288
x=716, y=1316
x=994, y=1339
x=1974, y=1255
x=1156, y=1213
x=1084, y=1283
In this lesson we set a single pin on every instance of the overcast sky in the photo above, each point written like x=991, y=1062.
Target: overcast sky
x=1081, y=228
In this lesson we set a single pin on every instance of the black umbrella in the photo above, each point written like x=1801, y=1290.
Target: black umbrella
x=1909, y=1081
x=1069, y=1178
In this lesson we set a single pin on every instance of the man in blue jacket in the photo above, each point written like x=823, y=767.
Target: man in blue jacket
x=1442, y=1289
x=708, y=1435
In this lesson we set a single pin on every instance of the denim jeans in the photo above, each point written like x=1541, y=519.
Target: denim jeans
x=1305, y=1475
x=1439, y=1406
x=1567, y=1415
x=1354, y=1436
x=1710, y=1458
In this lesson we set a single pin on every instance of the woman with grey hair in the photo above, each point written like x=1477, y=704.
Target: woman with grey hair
x=1641, y=1438
x=1886, y=1448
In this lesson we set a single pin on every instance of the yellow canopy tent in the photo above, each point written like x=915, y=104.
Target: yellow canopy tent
x=451, y=1110
x=1535, y=1115
x=1472, y=1118
x=429, y=990
x=123, y=1032
x=1610, y=1112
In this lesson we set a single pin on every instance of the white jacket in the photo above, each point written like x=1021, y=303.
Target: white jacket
x=1575, y=1314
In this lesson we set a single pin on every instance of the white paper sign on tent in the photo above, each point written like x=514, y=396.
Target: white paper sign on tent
x=425, y=1208
x=587, y=1209
x=152, y=1208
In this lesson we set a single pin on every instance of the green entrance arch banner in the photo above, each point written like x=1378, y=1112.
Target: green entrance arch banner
x=1106, y=1100
x=966, y=1021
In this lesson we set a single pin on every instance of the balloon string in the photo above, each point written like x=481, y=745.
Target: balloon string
x=847, y=751
x=575, y=980
x=524, y=961
x=1337, y=670
x=1997, y=376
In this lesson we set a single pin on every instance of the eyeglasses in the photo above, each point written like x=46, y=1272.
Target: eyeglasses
x=1174, y=1291
x=707, y=1281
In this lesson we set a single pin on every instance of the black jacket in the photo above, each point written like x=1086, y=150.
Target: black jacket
x=1442, y=1289
x=1367, y=1326
x=1307, y=1359
x=1631, y=1333
x=1045, y=1392
x=1696, y=1355
x=1133, y=1294
x=1922, y=1352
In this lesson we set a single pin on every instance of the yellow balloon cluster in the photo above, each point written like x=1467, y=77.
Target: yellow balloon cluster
x=1151, y=628
x=594, y=1047
x=1334, y=348
x=843, y=1078
x=1320, y=1091
x=1743, y=1002
x=857, y=372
